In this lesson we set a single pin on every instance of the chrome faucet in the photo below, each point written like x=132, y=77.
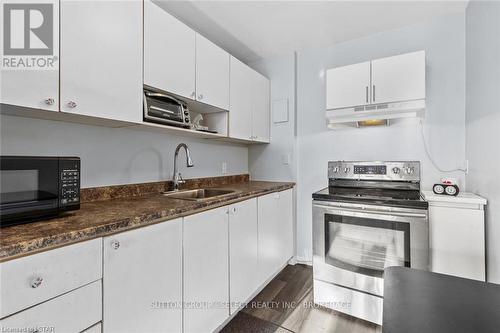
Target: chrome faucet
x=177, y=179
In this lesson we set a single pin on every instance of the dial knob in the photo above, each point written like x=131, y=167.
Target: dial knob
x=336, y=170
x=409, y=170
x=396, y=170
x=347, y=169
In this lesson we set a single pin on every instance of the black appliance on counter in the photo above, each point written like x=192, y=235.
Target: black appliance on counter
x=37, y=187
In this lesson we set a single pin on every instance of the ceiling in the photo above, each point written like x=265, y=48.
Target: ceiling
x=252, y=30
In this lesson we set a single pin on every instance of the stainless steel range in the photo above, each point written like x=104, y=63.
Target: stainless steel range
x=371, y=216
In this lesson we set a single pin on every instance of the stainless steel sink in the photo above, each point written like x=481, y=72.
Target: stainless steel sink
x=197, y=195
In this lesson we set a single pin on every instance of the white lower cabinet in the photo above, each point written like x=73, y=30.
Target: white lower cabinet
x=71, y=312
x=34, y=279
x=143, y=279
x=243, y=253
x=206, y=270
x=184, y=275
x=457, y=235
x=275, y=232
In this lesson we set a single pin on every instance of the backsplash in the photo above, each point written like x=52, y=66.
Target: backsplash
x=134, y=190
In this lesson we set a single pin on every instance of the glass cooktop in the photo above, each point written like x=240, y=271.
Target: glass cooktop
x=386, y=197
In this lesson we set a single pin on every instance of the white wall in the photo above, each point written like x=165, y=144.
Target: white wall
x=266, y=162
x=444, y=42
x=483, y=118
x=111, y=156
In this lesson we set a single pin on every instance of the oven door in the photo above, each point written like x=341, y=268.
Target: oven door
x=354, y=243
x=29, y=188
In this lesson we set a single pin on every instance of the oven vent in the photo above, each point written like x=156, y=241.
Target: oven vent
x=352, y=116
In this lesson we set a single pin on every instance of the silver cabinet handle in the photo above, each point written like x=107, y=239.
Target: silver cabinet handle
x=50, y=101
x=115, y=245
x=374, y=93
x=72, y=104
x=36, y=282
x=367, y=94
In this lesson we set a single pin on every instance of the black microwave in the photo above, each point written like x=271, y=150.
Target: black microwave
x=33, y=188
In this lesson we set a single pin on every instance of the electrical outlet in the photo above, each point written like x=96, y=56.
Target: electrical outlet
x=224, y=168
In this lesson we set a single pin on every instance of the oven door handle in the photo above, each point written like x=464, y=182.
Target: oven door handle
x=369, y=211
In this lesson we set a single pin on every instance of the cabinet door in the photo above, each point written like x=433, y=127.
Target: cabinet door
x=240, y=109
x=456, y=238
x=101, y=59
x=348, y=86
x=398, y=78
x=243, y=261
x=143, y=279
x=212, y=73
x=285, y=209
x=169, y=52
x=29, y=87
x=206, y=270
x=71, y=312
x=260, y=110
x=269, y=235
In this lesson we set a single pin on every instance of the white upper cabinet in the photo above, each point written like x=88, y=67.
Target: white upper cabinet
x=348, y=86
x=101, y=59
x=169, y=52
x=212, y=73
x=142, y=271
x=399, y=78
x=240, y=110
x=394, y=79
x=34, y=88
x=260, y=111
x=249, y=114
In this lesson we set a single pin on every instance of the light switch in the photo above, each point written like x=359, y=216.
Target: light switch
x=286, y=158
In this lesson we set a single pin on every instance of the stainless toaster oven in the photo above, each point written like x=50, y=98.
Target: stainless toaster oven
x=163, y=108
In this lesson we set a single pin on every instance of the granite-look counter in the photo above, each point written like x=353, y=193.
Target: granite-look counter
x=106, y=217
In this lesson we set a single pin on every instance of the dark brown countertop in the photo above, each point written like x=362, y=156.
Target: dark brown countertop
x=101, y=218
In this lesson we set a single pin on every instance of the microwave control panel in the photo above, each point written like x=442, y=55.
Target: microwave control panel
x=70, y=182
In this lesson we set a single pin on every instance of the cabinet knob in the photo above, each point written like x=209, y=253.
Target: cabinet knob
x=50, y=101
x=72, y=104
x=115, y=245
x=234, y=210
x=227, y=211
x=36, y=282
x=200, y=96
x=193, y=94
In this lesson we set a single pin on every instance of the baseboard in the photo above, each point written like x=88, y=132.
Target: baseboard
x=303, y=261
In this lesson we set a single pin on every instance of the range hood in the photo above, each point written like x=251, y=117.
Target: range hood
x=354, y=116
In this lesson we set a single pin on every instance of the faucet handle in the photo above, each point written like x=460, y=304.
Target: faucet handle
x=181, y=180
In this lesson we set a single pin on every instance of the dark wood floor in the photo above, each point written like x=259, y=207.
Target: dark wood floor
x=285, y=305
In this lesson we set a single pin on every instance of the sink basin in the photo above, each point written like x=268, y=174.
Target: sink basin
x=195, y=195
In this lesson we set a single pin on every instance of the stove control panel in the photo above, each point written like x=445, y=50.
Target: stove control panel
x=365, y=170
